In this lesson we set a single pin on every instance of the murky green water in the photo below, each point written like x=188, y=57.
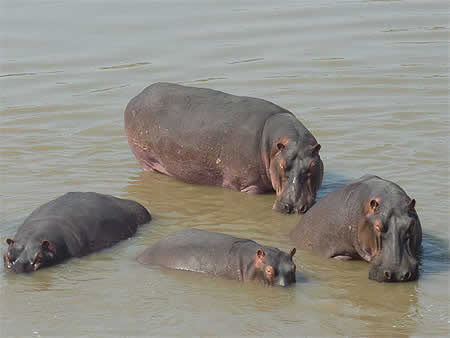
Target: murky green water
x=368, y=78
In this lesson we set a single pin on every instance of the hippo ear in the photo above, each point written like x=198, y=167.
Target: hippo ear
x=374, y=205
x=47, y=246
x=9, y=241
x=315, y=149
x=292, y=253
x=259, y=259
x=412, y=204
x=279, y=146
x=260, y=253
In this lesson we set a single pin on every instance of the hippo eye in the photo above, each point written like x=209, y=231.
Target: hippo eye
x=281, y=146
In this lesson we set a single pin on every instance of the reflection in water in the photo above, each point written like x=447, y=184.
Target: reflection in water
x=435, y=255
x=30, y=282
x=210, y=207
x=331, y=182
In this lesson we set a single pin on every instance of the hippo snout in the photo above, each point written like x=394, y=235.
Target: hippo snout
x=283, y=207
x=303, y=208
x=393, y=276
x=386, y=274
x=289, y=208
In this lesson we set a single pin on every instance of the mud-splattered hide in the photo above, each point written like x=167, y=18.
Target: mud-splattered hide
x=205, y=136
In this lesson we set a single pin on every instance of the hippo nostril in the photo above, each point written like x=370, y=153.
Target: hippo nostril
x=287, y=208
x=387, y=274
x=407, y=276
x=303, y=209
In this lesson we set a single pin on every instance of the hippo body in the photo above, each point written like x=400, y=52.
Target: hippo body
x=223, y=256
x=206, y=136
x=371, y=219
x=72, y=225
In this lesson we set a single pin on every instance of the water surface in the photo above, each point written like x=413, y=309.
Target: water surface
x=368, y=78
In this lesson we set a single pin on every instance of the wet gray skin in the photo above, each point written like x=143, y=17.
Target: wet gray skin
x=72, y=225
x=30, y=257
x=371, y=219
x=300, y=181
x=223, y=256
x=205, y=136
x=400, y=238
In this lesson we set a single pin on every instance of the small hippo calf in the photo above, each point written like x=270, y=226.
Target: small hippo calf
x=371, y=218
x=72, y=225
x=222, y=255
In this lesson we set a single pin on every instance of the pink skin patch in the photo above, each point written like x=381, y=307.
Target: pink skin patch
x=152, y=166
x=253, y=189
x=343, y=258
x=158, y=167
x=148, y=165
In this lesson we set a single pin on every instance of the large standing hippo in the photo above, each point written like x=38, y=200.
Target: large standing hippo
x=209, y=137
x=371, y=218
x=223, y=256
x=72, y=225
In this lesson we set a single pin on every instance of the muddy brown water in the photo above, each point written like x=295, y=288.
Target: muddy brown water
x=368, y=78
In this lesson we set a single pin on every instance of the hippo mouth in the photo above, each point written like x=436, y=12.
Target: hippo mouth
x=287, y=208
x=382, y=273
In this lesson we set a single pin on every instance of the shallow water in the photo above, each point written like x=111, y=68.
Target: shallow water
x=368, y=78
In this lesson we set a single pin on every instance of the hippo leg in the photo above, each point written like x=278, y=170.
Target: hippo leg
x=343, y=258
x=147, y=162
x=253, y=189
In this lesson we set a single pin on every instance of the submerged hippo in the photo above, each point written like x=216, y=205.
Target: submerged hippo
x=209, y=137
x=372, y=219
x=72, y=225
x=223, y=256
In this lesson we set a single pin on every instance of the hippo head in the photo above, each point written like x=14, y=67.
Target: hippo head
x=20, y=258
x=273, y=269
x=296, y=172
x=390, y=239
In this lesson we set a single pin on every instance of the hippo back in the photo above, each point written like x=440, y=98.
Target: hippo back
x=84, y=221
x=199, y=135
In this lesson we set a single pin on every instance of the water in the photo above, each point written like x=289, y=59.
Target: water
x=368, y=78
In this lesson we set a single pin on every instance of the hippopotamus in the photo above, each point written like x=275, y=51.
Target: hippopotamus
x=205, y=136
x=72, y=225
x=223, y=256
x=371, y=219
